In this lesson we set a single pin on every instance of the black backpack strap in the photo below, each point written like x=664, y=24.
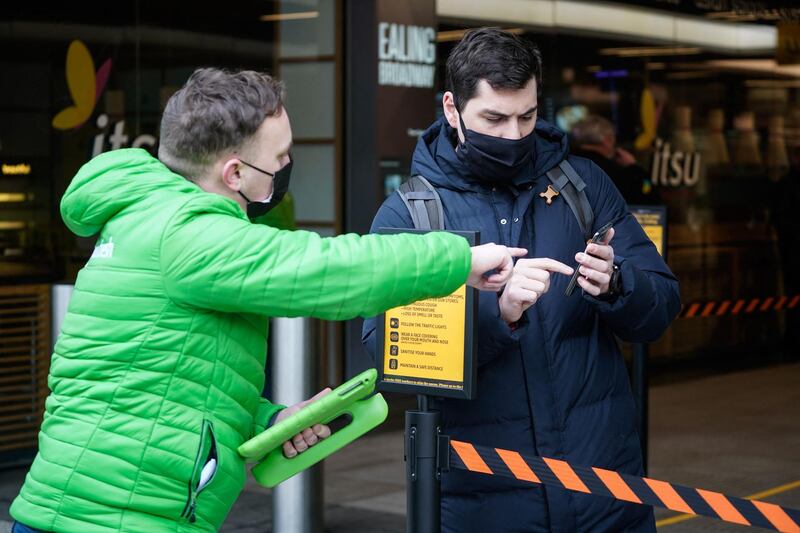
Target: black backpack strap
x=423, y=203
x=569, y=184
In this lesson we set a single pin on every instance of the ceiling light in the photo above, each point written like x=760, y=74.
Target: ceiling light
x=640, y=51
x=276, y=17
x=690, y=75
x=612, y=20
x=456, y=35
x=731, y=16
x=767, y=66
x=773, y=84
x=742, y=16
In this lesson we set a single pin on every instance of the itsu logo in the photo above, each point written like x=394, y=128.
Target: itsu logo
x=674, y=169
x=85, y=86
x=118, y=139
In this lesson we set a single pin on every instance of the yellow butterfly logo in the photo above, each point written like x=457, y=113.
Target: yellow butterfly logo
x=85, y=86
x=650, y=114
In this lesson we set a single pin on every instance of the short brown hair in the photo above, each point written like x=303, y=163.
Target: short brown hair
x=216, y=110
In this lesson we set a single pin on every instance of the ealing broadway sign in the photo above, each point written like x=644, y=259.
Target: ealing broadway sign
x=406, y=55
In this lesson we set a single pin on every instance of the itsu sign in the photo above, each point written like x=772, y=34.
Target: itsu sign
x=674, y=168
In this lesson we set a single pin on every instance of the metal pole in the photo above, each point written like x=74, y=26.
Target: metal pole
x=641, y=390
x=297, y=502
x=60, y=295
x=423, y=486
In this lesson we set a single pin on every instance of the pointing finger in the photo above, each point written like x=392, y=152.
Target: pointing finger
x=549, y=264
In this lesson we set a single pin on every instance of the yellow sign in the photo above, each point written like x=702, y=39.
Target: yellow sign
x=424, y=342
x=21, y=169
x=653, y=222
x=429, y=347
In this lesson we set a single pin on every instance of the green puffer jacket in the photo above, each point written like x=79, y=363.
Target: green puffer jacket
x=160, y=362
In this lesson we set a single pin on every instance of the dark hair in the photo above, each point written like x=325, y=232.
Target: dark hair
x=216, y=110
x=503, y=59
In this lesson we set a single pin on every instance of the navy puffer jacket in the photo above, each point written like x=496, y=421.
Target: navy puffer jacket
x=556, y=386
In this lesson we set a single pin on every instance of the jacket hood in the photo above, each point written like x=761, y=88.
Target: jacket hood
x=436, y=160
x=112, y=182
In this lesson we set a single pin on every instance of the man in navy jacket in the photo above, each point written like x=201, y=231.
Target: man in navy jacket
x=551, y=379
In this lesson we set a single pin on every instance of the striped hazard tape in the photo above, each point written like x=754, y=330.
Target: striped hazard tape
x=641, y=490
x=743, y=306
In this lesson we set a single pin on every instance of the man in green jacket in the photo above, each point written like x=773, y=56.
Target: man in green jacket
x=157, y=374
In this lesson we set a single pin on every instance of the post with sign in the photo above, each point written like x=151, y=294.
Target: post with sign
x=653, y=220
x=428, y=348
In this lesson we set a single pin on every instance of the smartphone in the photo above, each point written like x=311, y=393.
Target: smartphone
x=599, y=236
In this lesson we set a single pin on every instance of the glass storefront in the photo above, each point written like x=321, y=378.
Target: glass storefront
x=713, y=123
x=79, y=80
x=84, y=78
x=716, y=138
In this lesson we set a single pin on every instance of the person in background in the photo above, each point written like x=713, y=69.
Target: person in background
x=595, y=139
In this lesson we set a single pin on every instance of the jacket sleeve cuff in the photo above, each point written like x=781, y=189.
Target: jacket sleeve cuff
x=634, y=299
x=265, y=417
x=495, y=335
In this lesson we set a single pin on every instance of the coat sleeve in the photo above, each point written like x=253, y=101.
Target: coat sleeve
x=266, y=412
x=494, y=335
x=389, y=215
x=650, y=297
x=213, y=260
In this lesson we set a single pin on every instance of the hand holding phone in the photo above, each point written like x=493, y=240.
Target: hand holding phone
x=599, y=236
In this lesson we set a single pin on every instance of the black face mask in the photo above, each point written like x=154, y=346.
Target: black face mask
x=280, y=185
x=494, y=159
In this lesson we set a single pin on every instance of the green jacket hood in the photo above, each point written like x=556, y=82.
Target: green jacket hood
x=112, y=182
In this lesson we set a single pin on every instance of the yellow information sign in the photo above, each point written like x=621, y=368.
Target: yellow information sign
x=654, y=223
x=426, y=340
x=428, y=347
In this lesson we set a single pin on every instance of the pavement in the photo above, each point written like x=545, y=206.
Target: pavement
x=736, y=433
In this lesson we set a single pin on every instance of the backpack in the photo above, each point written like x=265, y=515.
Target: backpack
x=425, y=206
